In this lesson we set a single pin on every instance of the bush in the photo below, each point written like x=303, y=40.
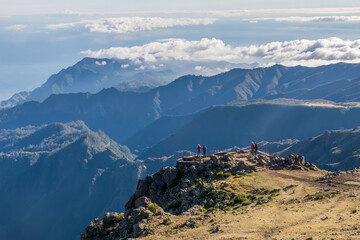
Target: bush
x=227, y=174
x=168, y=222
x=119, y=217
x=199, y=180
x=354, y=211
x=240, y=199
x=153, y=207
x=220, y=174
x=319, y=197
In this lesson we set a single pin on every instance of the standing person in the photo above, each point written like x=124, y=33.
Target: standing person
x=252, y=147
x=199, y=149
x=255, y=148
x=204, y=149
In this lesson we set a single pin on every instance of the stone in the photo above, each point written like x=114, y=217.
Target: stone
x=142, y=202
x=138, y=228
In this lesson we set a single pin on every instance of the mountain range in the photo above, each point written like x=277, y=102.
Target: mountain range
x=60, y=156
x=92, y=75
x=63, y=174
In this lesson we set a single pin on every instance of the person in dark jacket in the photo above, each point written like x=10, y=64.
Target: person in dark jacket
x=204, y=150
x=199, y=149
x=256, y=148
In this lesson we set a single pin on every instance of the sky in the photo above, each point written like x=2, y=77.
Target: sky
x=39, y=38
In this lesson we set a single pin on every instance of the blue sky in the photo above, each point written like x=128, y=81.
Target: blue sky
x=41, y=38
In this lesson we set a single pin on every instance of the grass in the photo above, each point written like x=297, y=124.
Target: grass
x=119, y=217
x=319, y=196
x=227, y=174
x=242, y=199
x=153, y=207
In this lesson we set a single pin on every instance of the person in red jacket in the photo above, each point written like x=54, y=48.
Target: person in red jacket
x=199, y=149
x=252, y=147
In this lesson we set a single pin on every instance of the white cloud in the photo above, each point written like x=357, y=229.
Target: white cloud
x=16, y=27
x=309, y=19
x=130, y=24
x=102, y=63
x=290, y=53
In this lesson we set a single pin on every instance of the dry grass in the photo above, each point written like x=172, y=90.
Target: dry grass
x=290, y=213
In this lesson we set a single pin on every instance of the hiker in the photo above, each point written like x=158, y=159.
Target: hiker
x=204, y=150
x=252, y=147
x=199, y=149
x=255, y=148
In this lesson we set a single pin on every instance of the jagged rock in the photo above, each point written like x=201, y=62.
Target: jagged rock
x=138, y=228
x=142, y=202
x=179, y=190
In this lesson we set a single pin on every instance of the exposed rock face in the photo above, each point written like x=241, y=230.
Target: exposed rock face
x=178, y=190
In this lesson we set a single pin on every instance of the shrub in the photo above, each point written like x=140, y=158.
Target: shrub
x=119, y=217
x=153, y=207
x=227, y=174
x=266, y=191
x=220, y=174
x=110, y=229
x=354, y=211
x=240, y=199
x=199, y=180
x=334, y=192
x=319, y=197
x=168, y=222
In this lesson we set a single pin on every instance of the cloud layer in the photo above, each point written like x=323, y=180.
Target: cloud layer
x=309, y=19
x=130, y=24
x=16, y=27
x=290, y=53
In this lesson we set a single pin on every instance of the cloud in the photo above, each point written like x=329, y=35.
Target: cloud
x=16, y=27
x=102, y=63
x=290, y=53
x=130, y=24
x=309, y=19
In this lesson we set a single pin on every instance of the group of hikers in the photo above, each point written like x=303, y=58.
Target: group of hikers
x=204, y=148
x=254, y=149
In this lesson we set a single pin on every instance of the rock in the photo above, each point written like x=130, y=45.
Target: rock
x=142, y=202
x=109, y=218
x=169, y=175
x=138, y=228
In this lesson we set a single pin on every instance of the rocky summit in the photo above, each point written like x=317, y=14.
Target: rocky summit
x=236, y=195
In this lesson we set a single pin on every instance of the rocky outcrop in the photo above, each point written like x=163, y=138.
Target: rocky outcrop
x=181, y=190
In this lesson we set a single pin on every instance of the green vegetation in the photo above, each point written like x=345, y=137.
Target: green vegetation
x=318, y=196
x=354, y=211
x=119, y=217
x=110, y=229
x=220, y=174
x=199, y=180
x=227, y=174
x=153, y=207
x=168, y=222
x=240, y=199
x=334, y=192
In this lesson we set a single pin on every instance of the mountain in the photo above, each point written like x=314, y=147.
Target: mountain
x=236, y=195
x=240, y=123
x=92, y=75
x=123, y=114
x=332, y=150
x=55, y=178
